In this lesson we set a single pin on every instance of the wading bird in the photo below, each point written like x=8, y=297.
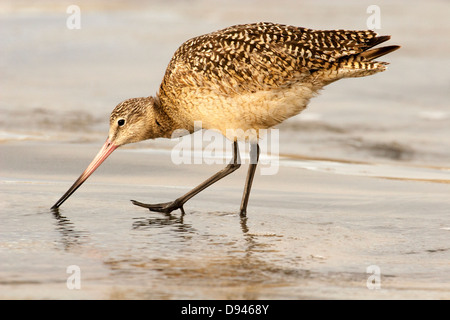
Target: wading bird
x=245, y=77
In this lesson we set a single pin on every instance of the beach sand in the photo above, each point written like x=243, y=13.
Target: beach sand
x=362, y=183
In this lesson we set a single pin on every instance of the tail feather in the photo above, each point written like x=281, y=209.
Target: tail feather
x=377, y=52
x=376, y=41
x=363, y=64
x=355, y=58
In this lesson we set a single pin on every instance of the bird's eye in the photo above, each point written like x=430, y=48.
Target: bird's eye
x=121, y=122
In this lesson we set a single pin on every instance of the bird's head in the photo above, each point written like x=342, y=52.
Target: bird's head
x=131, y=121
x=134, y=120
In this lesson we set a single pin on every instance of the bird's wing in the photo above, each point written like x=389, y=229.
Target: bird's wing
x=261, y=56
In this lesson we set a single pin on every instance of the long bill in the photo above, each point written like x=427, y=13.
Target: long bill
x=105, y=151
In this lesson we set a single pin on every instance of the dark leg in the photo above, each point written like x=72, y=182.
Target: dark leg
x=254, y=157
x=178, y=203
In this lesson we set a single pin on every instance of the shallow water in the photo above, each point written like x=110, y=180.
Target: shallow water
x=308, y=234
x=363, y=177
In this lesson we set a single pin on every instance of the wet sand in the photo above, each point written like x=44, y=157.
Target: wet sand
x=363, y=178
x=308, y=234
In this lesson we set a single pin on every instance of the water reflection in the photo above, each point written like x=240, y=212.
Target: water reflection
x=250, y=239
x=176, y=223
x=220, y=252
x=70, y=237
x=244, y=226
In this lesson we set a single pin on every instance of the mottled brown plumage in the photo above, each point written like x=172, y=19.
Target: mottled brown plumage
x=253, y=76
x=264, y=56
x=239, y=80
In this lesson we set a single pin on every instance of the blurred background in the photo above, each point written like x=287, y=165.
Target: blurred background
x=61, y=84
x=309, y=234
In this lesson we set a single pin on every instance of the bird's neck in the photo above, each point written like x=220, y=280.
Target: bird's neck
x=163, y=124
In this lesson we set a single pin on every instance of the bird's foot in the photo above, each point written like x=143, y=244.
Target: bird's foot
x=166, y=207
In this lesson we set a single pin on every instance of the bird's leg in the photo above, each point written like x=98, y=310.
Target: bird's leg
x=178, y=203
x=254, y=157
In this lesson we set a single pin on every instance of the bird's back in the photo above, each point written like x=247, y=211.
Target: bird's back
x=238, y=69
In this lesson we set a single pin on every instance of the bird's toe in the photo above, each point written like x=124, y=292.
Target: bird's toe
x=166, y=207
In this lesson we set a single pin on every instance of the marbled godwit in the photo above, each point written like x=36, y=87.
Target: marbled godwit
x=245, y=77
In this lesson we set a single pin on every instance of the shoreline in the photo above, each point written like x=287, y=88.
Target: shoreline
x=308, y=233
